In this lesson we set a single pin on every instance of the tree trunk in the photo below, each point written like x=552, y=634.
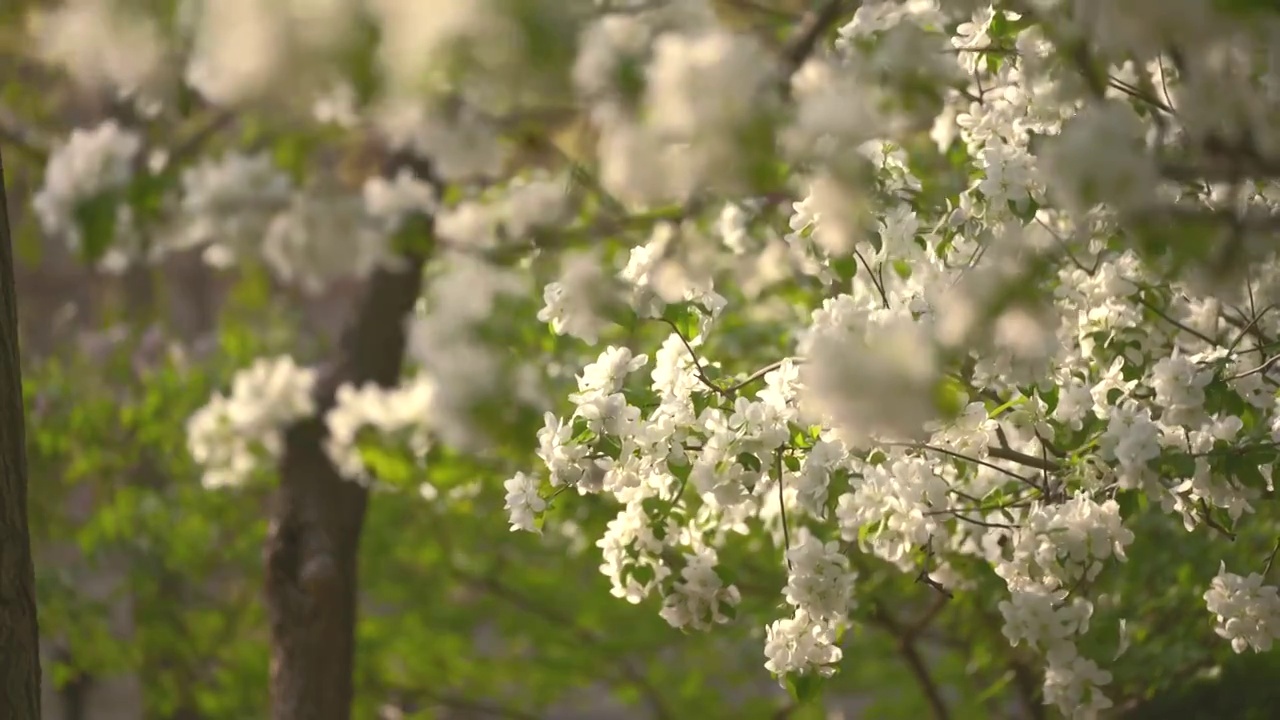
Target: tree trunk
x=19, y=637
x=313, y=540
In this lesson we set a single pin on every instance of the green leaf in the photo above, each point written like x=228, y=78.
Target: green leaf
x=685, y=319
x=750, y=462
x=679, y=471
x=388, y=466
x=845, y=267
x=1248, y=474
x=360, y=59
x=96, y=219
x=949, y=397
x=643, y=574
x=805, y=688
x=1247, y=7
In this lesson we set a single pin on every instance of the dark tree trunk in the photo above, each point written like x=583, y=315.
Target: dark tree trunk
x=19, y=637
x=313, y=540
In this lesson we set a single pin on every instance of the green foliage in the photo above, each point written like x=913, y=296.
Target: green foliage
x=182, y=558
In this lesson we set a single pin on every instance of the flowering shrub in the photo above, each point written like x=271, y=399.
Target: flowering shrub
x=979, y=293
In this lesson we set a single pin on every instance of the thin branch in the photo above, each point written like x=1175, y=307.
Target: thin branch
x=813, y=26
x=1164, y=316
x=476, y=707
x=974, y=521
x=966, y=458
x=1206, y=516
x=1005, y=452
x=675, y=499
x=905, y=638
x=1265, y=366
x=1138, y=94
x=22, y=137
x=923, y=577
x=762, y=9
x=782, y=509
x=1267, y=570
x=1253, y=323
x=626, y=669
x=193, y=143
x=697, y=363
x=1049, y=445
x=879, y=283
x=913, y=631
x=732, y=389
x=916, y=664
x=1031, y=461
x=988, y=50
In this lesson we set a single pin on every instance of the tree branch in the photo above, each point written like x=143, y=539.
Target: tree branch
x=813, y=26
x=22, y=137
x=626, y=669
x=1006, y=453
x=473, y=708
x=904, y=638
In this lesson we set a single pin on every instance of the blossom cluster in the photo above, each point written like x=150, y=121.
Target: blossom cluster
x=1122, y=383
x=1247, y=610
x=230, y=435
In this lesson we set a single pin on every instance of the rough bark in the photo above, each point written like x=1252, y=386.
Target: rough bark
x=313, y=539
x=19, y=636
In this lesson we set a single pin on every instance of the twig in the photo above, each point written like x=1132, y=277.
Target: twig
x=966, y=458
x=198, y=137
x=911, y=655
x=476, y=707
x=666, y=511
x=923, y=575
x=905, y=637
x=1207, y=518
x=1039, y=463
x=919, y=626
x=814, y=24
x=1270, y=560
x=21, y=137
x=1049, y=445
x=980, y=523
x=760, y=373
x=878, y=283
x=626, y=669
x=1137, y=94
x=1253, y=323
x=990, y=49
x=1265, y=366
x=697, y=363
x=762, y=9
x=782, y=509
x=1164, y=316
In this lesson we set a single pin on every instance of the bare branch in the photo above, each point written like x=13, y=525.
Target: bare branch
x=760, y=373
x=22, y=137
x=812, y=26
x=697, y=363
x=1039, y=463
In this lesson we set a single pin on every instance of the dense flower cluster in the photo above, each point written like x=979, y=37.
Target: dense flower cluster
x=1000, y=334
x=1248, y=610
x=230, y=434
x=91, y=164
x=405, y=409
